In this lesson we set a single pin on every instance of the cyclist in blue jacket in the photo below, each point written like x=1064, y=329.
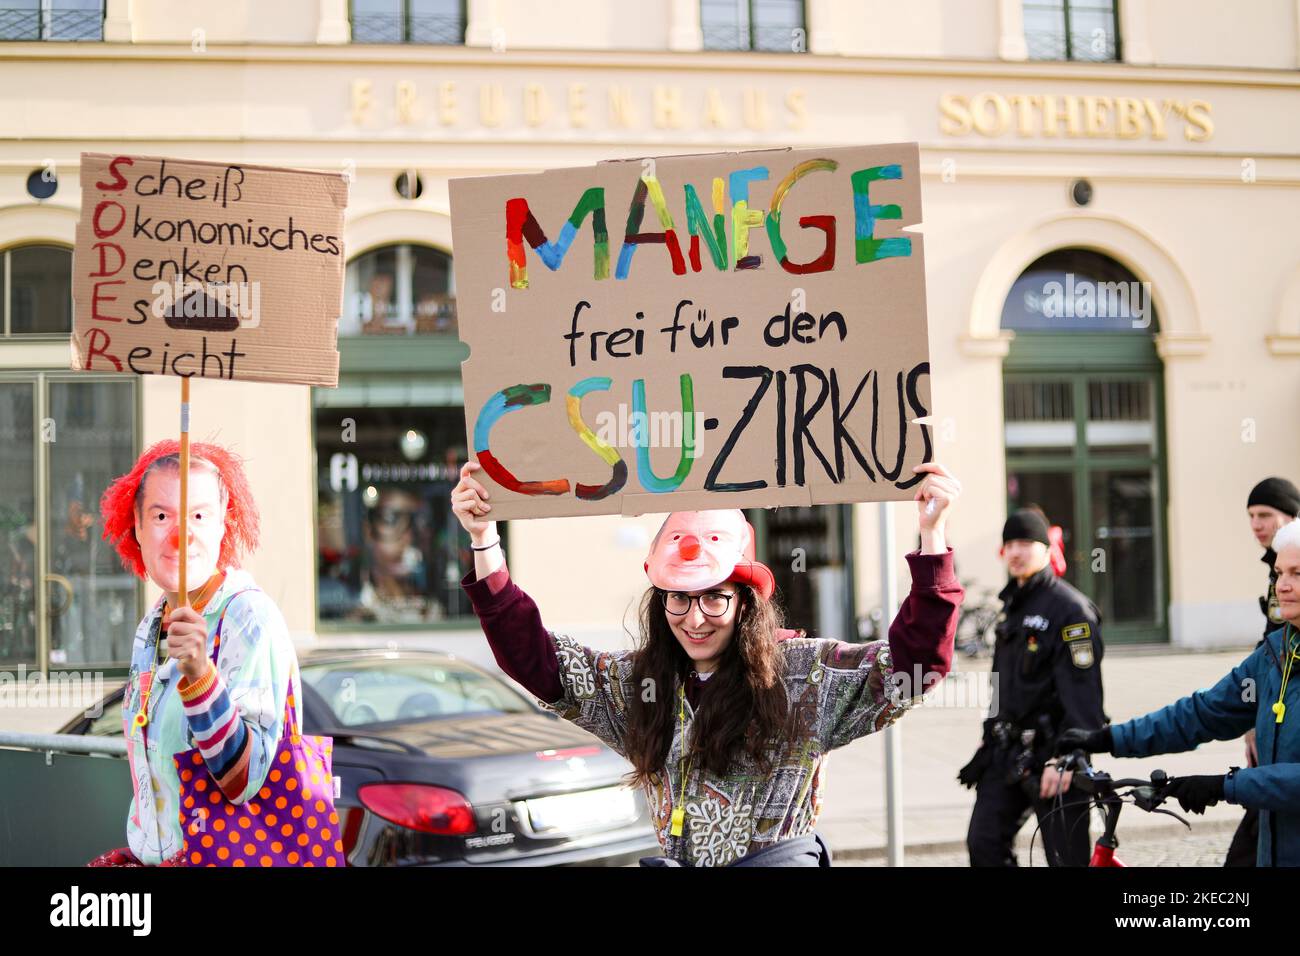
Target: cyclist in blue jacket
x=1262, y=692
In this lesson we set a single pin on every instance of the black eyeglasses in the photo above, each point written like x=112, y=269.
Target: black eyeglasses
x=712, y=603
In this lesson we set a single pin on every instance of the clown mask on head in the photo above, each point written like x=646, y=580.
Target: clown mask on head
x=694, y=550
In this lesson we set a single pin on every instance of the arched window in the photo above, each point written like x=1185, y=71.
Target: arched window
x=401, y=289
x=36, y=290
x=1083, y=403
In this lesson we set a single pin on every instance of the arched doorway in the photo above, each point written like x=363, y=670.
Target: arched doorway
x=1083, y=413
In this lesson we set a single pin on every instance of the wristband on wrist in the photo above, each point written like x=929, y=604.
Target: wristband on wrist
x=486, y=547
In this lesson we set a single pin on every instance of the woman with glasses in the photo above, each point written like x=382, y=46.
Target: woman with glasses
x=725, y=715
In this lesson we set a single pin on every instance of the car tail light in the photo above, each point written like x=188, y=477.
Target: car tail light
x=352, y=817
x=420, y=807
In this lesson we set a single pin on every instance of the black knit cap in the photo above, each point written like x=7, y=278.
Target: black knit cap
x=1276, y=493
x=1025, y=525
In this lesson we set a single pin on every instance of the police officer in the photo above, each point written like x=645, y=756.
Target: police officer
x=1271, y=504
x=1047, y=663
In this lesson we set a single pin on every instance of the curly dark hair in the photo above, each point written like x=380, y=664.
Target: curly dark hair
x=745, y=707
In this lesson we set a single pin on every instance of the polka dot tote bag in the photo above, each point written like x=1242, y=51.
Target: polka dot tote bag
x=290, y=821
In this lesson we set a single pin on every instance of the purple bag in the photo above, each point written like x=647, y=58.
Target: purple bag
x=291, y=821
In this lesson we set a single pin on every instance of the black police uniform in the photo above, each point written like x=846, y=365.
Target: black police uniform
x=1245, y=842
x=1047, y=663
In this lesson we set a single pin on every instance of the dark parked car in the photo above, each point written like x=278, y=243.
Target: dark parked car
x=440, y=763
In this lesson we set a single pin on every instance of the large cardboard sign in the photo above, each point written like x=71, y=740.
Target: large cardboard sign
x=221, y=271
x=691, y=332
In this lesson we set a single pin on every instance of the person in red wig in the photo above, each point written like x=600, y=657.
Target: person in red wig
x=177, y=698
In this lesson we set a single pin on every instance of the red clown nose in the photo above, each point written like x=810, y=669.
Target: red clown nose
x=689, y=547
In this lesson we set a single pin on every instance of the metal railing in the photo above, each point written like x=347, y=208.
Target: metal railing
x=397, y=28
x=64, y=743
x=51, y=24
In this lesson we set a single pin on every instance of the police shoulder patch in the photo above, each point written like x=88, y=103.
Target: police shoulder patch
x=1081, y=654
x=1076, y=632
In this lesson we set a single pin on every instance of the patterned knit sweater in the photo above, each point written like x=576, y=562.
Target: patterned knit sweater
x=840, y=692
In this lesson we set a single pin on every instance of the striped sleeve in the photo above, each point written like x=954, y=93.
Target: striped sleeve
x=219, y=733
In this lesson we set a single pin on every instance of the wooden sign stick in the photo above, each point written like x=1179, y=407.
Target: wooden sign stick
x=182, y=593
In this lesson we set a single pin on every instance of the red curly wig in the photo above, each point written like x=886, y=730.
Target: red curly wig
x=118, y=505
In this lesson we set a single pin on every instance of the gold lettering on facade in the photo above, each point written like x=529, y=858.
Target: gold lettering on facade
x=715, y=113
x=492, y=105
x=578, y=117
x=1072, y=116
x=621, y=112
x=447, y=113
x=756, y=111
x=404, y=97
x=794, y=102
x=361, y=101
x=668, y=107
x=537, y=108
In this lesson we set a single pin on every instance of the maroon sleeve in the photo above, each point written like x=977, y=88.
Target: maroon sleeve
x=513, y=626
x=921, y=636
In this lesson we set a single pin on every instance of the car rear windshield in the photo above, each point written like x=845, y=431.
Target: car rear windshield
x=380, y=691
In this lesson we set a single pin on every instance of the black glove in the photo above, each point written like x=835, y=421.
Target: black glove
x=1076, y=738
x=970, y=774
x=1194, y=794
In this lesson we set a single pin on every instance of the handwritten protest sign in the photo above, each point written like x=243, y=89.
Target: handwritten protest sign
x=692, y=332
x=215, y=270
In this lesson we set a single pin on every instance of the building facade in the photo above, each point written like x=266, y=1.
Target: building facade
x=1110, y=195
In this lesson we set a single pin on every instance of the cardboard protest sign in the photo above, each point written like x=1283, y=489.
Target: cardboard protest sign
x=693, y=332
x=216, y=270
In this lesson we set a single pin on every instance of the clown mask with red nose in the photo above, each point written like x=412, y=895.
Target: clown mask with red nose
x=695, y=550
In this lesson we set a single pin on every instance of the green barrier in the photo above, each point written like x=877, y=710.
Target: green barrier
x=61, y=809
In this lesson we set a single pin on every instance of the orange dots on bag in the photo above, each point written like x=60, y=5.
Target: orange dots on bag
x=338, y=845
x=196, y=856
x=230, y=811
x=189, y=803
x=222, y=853
x=316, y=850
x=254, y=808
x=315, y=780
x=186, y=775
x=286, y=830
x=238, y=863
x=206, y=841
x=296, y=813
x=293, y=857
x=218, y=824
x=303, y=840
x=334, y=817
x=309, y=863
x=267, y=861
x=311, y=822
x=300, y=765
x=320, y=806
x=215, y=798
x=196, y=759
x=249, y=849
x=306, y=794
x=291, y=784
x=260, y=836
x=281, y=803
x=277, y=847
x=275, y=777
x=200, y=785
x=330, y=861
x=284, y=757
x=264, y=793
x=324, y=834
x=270, y=819
x=245, y=822
x=234, y=836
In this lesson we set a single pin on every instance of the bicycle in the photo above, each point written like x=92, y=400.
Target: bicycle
x=1109, y=796
x=977, y=623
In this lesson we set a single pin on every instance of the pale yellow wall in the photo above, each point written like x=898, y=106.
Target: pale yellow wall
x=225, y=21
x=1222, y=248
x=1259, y=34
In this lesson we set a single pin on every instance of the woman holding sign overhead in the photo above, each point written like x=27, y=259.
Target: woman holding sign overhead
x=220, y=772
x=725, y=716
